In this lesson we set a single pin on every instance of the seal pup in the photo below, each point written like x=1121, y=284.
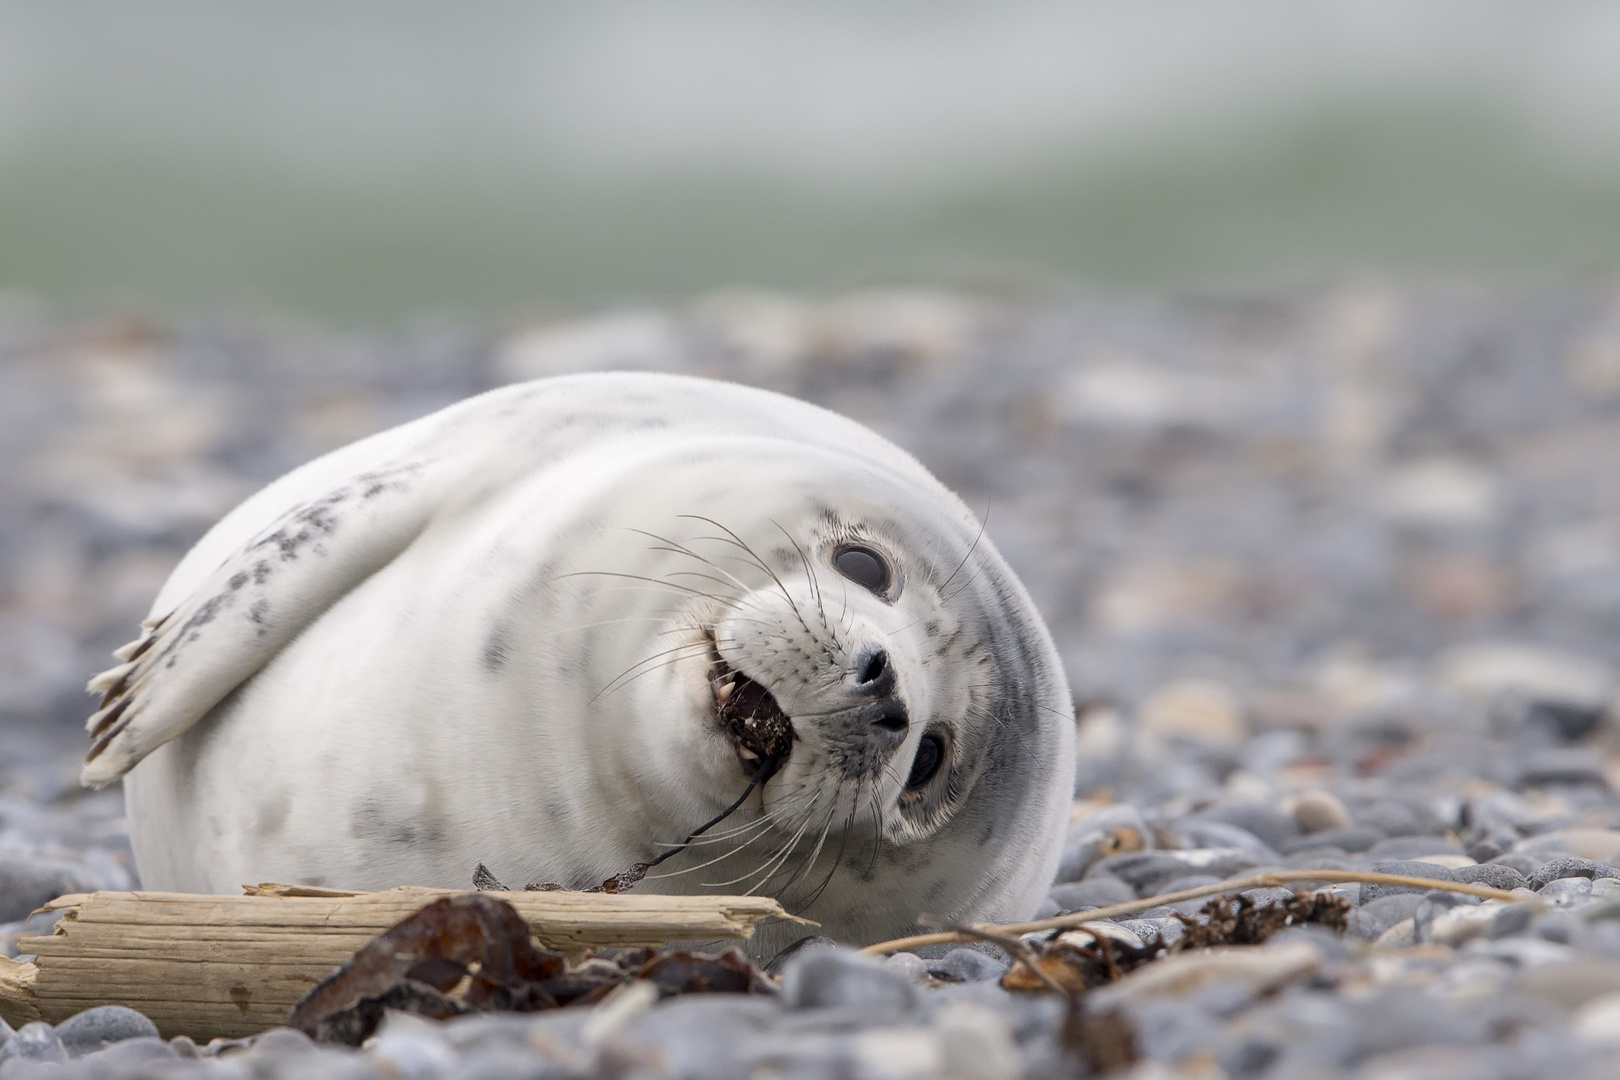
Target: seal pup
x=530, y=631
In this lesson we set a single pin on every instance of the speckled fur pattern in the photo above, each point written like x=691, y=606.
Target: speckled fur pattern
x=488, y=636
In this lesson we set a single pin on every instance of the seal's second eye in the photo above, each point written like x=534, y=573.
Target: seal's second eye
x=864, y=567
x=930, y=752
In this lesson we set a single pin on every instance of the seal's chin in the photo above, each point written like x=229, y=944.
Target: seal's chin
x=748, y=714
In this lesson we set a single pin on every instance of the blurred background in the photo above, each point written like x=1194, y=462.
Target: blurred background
x=381, y=157
x=1279, y=341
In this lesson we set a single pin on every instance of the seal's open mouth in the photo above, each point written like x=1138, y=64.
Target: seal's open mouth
x=749, y=715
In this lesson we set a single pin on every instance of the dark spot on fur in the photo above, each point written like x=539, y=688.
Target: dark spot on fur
x=261, y=572
x=238, y=580
x=259, y=613
x=370, y=820
x=931, y=628
x=497, y=648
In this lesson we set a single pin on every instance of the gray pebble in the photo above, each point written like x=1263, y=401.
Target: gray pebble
x=1394, y=818
x=1407, y=869
x=1321, y=858
x=1270, y=826
x=37, y=1041
x=1354, y=839
x=28, y=884
x=967, y=965
x=1496, y=875
x=1562, y=766
x=1565, y=866
x=1099, y=835
x=1566, y=890
x=1166, y=930
x=1412, y=847
x=126, y=1055
x=911, y=965
x=1375, y=916
x=510, y=1063
x=1512, y=919
x=1148, y=870
x=1099, y=891
x=1191, y=881
x=829, y=978
x=1525, y=863
x=93, y=1029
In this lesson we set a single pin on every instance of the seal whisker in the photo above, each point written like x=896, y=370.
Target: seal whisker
x=736, y=851
x=786, y=594
x=675, y=547
x=770, y=869
x=984, y=523
x=821, y=840
x=669, y=656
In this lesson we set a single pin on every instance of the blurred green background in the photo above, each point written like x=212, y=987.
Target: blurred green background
x=367, y=158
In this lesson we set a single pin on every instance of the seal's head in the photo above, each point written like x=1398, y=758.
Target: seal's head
x=857, y=633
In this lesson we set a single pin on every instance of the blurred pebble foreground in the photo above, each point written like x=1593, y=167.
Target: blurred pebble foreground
x=1336, y=575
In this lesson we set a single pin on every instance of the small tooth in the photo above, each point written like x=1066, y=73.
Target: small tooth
x=723, y=692
x=749, y=755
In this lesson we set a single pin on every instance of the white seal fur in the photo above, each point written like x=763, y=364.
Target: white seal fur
x=499, y=634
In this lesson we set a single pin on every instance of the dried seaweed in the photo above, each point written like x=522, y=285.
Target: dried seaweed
x=1237, y=920
x=1076, y=964
x=474, y=954
x=1078, y=967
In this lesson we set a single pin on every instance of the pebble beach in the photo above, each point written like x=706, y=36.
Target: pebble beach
x=1335, y=575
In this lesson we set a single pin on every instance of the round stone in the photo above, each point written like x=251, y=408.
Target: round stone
x=966, y=965
x=1318, y=810
x=841, y=977
x=89, y=1031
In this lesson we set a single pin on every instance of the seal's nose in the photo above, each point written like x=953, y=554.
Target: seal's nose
x=876, y=677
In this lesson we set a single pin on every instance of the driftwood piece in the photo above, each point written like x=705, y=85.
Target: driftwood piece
x=208, y=966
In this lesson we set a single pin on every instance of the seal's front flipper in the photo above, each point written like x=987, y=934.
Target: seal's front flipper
x=239, y=616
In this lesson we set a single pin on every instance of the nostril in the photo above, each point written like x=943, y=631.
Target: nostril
x=892, y=717
x=876, y=665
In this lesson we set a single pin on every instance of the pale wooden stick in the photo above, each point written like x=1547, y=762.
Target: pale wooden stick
x=1113, y=911
x=207, y=966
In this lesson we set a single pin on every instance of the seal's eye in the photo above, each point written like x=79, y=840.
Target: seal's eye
x=930, y=752
x=864, y=567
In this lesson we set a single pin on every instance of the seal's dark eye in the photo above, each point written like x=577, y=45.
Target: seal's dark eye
x=930, y=752
x=864, y=567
